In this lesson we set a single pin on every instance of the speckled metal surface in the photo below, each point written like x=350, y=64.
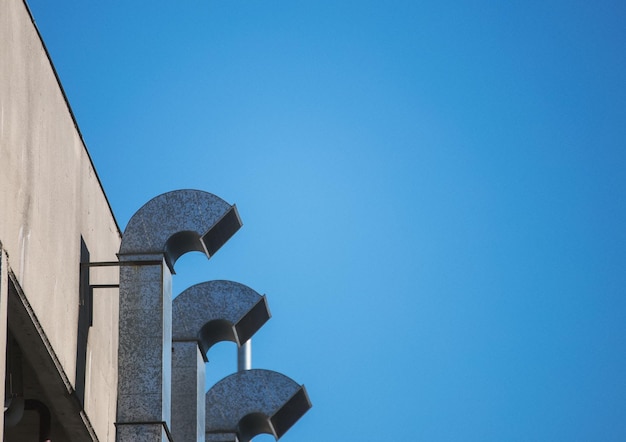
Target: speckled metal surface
x=144, y=432
x=221, y=437
x=188, y=387
x=191, y=213
x=144, y=354
x=162, y=230
x=229, y=302
x=231, y=305
x=256, y=397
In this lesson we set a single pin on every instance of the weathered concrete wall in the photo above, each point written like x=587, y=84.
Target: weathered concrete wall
x=50, y=196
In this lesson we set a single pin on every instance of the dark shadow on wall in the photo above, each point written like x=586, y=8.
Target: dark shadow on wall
x=85, y=320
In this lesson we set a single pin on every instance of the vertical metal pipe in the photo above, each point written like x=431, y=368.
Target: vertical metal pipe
x=244, y=356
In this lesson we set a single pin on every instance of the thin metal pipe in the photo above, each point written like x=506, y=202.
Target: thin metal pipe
x=244, y=356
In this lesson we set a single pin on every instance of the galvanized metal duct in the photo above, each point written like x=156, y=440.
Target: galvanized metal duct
x=216, y=311
x=156, y=236
x=252, y=402
x=178, y=222
x=202, y=315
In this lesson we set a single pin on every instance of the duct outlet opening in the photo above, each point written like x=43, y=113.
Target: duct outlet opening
x=221, y=232
x=252, y=425
x=179, y=244
x=289, y=413
x=252, y=321
x=215, y=331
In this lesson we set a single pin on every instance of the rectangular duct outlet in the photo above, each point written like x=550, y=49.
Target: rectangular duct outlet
x=221, y=231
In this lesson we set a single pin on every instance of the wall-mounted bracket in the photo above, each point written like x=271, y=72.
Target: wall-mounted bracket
x=90, y=265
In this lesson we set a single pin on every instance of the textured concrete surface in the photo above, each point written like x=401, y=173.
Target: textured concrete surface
x=252, y=402
x=50, y=196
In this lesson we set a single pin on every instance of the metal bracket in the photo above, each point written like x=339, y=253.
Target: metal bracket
x=116, y=264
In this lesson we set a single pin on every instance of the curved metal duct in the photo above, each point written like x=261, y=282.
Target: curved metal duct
x=178, y=222
x=252, y=402
x=161, y=231
x=216, y=311
x=202, y=315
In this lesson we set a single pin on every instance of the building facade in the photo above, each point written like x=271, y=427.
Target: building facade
x=61, y=338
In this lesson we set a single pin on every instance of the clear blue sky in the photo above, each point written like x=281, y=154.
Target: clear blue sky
x=433, y=195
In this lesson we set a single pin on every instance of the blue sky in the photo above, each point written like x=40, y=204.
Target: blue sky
x=433, y=195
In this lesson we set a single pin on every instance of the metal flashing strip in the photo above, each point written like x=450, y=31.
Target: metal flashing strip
x=121, y=263
x=104, y=286
x=161, y=423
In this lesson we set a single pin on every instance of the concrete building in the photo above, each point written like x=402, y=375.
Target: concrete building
x=67, y=377
x=61, y=337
